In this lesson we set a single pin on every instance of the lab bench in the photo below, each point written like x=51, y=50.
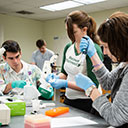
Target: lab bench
x=18, y=121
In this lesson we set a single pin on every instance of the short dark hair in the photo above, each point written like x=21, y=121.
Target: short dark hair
x=11, y=46
x=40, y=43
x=114, y=31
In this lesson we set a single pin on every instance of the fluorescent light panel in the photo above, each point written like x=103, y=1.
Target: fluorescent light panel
x=61, y=6
x=88, y=1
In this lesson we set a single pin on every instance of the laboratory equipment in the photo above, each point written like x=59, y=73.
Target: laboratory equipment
x=37, y=121
x=45, y=89
x=47, y=69
x=48, y=65
x=30, y=93
x=35, y=105
x=4, y=114
x=17, y=107
x=44, y=105
x=2, y=50
x=57, y=111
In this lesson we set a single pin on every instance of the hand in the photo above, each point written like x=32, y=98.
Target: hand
x=59, y=83
x=83, y=81
x=51, y=77
x=87, y=46
x=18, y=84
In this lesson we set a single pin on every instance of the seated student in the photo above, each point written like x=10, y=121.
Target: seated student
x=114, y=35
x=15, y=73
x=107, y=60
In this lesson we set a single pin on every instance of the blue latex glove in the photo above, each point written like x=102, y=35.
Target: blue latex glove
x=87, y=46
x=18, y=84
x=83, y=81
x=59, y=83
x=51, y=76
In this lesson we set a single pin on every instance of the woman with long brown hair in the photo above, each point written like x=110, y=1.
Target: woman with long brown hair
x=78, y=24
x=114, y=35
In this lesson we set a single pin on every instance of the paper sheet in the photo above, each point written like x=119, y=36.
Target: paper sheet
x=70, y=121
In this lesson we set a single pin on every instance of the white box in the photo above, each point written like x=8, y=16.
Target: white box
x=4, y=114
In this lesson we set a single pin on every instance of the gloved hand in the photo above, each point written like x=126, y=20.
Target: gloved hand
x=18, y=84
x=59, y=83
x=83, y=81
x=87, y=46
x=51, y=76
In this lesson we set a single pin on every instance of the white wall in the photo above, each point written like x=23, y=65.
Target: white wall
x=27, y=31
x=56, y=27
x=1, y=33
x=24, y=31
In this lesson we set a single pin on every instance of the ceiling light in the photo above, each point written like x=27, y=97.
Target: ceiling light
x=61, y=6
x=88, y=1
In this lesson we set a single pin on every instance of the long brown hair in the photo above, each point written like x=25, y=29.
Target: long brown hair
x=114, y=31
x=81, y=19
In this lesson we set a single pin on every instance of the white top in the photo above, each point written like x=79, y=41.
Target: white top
x=29, y=73
x=74, y=64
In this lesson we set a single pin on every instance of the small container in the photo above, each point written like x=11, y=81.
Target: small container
x=35, y=105
x=37, y=121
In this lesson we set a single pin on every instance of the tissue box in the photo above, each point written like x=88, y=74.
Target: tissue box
x=18, y=107
x=4, y=114
x=37, y=121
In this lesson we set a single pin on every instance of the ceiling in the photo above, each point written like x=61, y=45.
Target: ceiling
x=10, y=7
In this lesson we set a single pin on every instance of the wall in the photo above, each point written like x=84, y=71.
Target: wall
x=24, y=31
x=56, y=29
x=27, y=31
x=53, y=28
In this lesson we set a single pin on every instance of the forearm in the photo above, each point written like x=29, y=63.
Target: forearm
x=95, y=94
x=72, y=85
x=62, y=76
x=96, y=61
x=8, y=88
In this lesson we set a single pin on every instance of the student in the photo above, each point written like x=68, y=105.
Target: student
x=114, y=35
x=107, y=60
x=39, y=56
x=78, y=24
x=15, y=73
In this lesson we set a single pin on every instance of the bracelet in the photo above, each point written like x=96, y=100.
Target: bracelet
x=89, y=90
x=97, y=64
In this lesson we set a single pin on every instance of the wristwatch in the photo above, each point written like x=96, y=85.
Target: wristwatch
x=89, y=90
